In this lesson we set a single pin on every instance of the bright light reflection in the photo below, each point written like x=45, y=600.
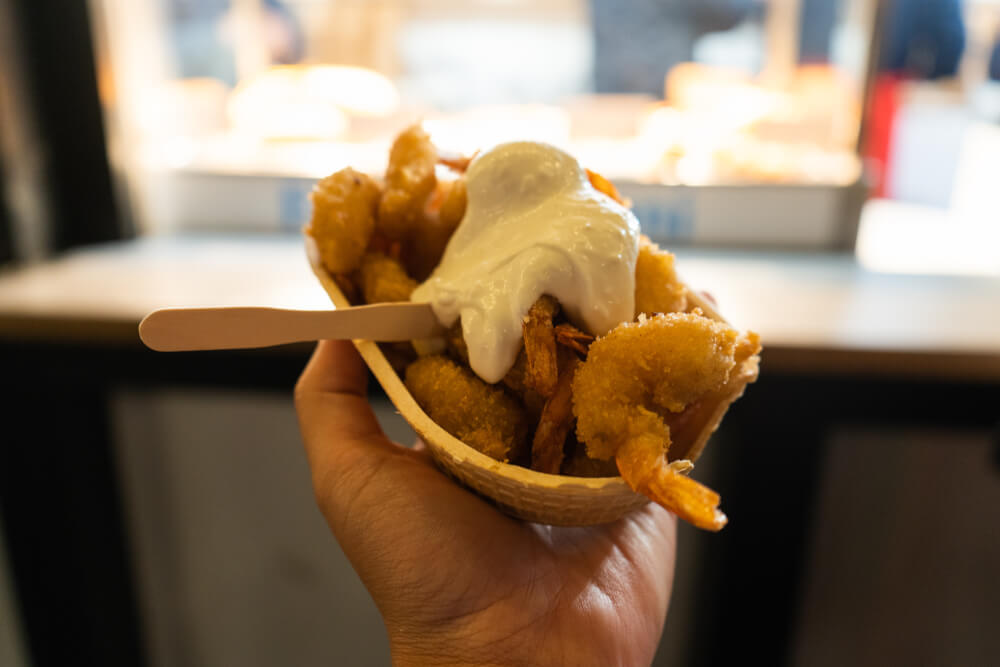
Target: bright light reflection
x=309, y=101
x=897, y=237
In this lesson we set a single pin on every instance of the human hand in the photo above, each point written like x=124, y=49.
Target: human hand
x=457, y=581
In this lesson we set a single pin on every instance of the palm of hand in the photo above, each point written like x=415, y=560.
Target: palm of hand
x=456, y=580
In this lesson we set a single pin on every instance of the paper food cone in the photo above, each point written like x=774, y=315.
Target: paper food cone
x=533, y=496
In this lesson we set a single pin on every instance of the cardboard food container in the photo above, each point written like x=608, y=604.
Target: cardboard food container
x=520, y=492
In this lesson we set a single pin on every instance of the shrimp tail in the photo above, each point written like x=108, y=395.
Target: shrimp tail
x=643, y=465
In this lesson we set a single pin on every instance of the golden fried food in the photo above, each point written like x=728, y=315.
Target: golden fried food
x=481, y=415
x=571, y=337
x=644, y=468
x=409, y=180
x=431, y=232
x=343, y=218
x=548, y=445
x=687, y=426
x=348, y=285
x=657, y=288
x=459, y=163
x=540, y=346
x=514, y=380
x=383, y=279
x=578, y=464
x=635, y=379
x=602, y=184
x=638, y=402
x=644, y=369
x=453, y=207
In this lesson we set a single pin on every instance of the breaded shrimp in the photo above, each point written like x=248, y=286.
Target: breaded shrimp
x=409, y=179
x=548, y=444
x=657, y=288
x=478, y=414
x=540, y=346
x=343, y=218
x=644, y=468
x=634, y=378
x=656, y=365
x=455, y=200
x=431, y=232
x=384, y=279
x=605, y=186
x=514, y=380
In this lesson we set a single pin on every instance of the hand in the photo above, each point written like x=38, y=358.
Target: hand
x=457, y=581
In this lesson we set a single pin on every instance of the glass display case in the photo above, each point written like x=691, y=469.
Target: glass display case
x=723, y=121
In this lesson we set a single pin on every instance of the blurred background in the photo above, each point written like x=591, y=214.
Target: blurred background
x=828, y=169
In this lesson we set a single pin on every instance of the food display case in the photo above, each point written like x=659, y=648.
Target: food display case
x=222, y=115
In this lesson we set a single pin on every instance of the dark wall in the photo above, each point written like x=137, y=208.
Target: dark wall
x=57, y=55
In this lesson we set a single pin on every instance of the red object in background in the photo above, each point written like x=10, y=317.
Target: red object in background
x=881, y=118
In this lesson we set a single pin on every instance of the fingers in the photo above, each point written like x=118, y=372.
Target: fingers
x=344, y=443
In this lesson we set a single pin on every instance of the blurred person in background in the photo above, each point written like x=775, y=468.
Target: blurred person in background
x=204, y=34
x=923, y=39
x=636, y=42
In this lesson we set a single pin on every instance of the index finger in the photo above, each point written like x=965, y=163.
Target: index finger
x=342, y=436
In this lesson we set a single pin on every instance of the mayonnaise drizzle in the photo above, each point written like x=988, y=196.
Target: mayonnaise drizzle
x=533, y=225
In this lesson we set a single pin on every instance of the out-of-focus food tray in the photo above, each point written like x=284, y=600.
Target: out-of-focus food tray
x=752, y=215
x=805, y=216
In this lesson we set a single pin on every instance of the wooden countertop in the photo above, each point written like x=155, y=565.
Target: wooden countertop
x=816, y=313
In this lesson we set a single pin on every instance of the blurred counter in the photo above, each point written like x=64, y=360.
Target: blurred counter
x=817, y=313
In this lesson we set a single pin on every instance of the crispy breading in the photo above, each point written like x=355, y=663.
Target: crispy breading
x=343, y=218
x=540, y=346
x=657, y=288
x=453, y=207
x=571, y=337
x=640, y=376
x=481, y=415
x=383, y=279
x=409, y=179
x=514, y=380
x=548, y=445
x=430, y=233
x=639, y=370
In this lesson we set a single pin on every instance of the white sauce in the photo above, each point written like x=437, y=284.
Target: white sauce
x=533, y=225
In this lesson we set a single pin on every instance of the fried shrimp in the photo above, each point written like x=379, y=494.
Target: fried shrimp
x=515, y=379
x=343, y=218
x=384, y=279
x=657, y=288
x=540, y=346
x=431, y=232
x=636, y=378
x=459, y=163
x=453, y=207
x=605, y=186
x=478, y=414
x=645, y=469
x=571, y=337
x=548, y=445
x=409, y=179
